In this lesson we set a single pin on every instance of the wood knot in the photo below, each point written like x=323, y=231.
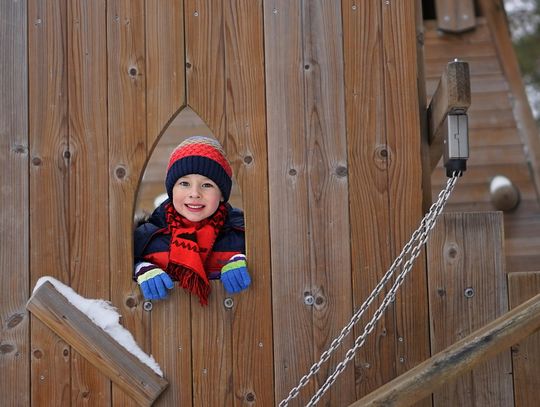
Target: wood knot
x=6, y=348
x=36, y=161
x=341, y=171
x=131, y=302
x=248, y=159
x=132, y=71
x=120, y=172
x=292, y=172
x=14, y=320
x=38, y=354
x=250, y=397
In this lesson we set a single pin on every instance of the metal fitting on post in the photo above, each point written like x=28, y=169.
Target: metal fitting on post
x=456, y=143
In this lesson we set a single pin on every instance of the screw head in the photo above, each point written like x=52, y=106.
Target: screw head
x=147, y=306
x=228, y=302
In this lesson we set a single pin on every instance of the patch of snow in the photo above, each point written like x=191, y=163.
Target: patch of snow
x=103, y=314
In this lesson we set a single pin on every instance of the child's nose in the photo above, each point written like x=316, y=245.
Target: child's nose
x=194, y=192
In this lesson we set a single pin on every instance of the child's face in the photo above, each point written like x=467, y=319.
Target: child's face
x=196, y=197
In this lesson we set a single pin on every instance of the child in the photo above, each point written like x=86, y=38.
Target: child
x=195, y=235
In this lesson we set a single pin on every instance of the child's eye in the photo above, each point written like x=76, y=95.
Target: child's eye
x=208, y=185
x=183, y=183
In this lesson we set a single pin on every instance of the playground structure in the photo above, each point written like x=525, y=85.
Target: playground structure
x=322, y=109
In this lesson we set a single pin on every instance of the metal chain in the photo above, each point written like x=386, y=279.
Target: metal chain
x=420, y=236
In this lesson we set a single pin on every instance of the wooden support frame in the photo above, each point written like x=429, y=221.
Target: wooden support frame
x=95, y=345
x=459, y=358
x=453, y=96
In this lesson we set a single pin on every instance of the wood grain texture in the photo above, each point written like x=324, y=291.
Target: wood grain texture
x=48, y=188
x=211, y=326
x=368, y=157
x=405, y=177
x=126, y=110
x=525, y=353
x=205, y=59
x=165, y=63
x=288, y=189
x=170, y=334
x=246, y=146
x=95, y=345
x=324, y=117
x=14, y=173
x=467, y=290
x=88, y=176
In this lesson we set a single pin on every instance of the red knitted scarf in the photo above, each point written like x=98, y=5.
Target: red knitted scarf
x=191, y=242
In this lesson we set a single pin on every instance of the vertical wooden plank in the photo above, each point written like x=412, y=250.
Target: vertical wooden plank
x=165, y=63
x=14, y=255
x=49, y=198
x=126, y=78
x=211, y=325
x=165, y=94
x=525, y=354
x=88, y=179
x=368, y=182
x=466, y=290
x=328, y=217
x=405, y=176
x=247, y=150
x=205, y=76
x=288, y=188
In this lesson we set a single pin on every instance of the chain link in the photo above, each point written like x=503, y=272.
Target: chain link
x=420, y=236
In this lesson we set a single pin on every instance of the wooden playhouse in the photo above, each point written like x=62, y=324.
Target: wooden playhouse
x=322, y=107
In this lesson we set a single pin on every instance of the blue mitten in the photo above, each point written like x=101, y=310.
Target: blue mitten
x=234, y=274
x=153, y=281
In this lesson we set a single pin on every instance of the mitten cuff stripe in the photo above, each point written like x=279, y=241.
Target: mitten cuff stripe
x=233, y=265
x=148, y=275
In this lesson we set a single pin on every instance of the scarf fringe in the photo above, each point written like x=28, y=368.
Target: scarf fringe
x=191, y=282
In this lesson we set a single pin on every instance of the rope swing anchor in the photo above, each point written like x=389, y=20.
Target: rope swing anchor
x=456, y=153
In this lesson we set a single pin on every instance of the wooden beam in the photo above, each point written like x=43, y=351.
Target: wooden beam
x=452, y=96
x=455, y=16
x=99, y=348
x=459, y=358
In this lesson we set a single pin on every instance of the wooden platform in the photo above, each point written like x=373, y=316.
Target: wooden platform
x=497, y=146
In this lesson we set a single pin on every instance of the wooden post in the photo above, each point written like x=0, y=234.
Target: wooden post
x=453, y=96
x=455, y=16
x=114, y=361
x=459, y=358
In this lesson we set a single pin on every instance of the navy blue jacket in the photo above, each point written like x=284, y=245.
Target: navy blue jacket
x=152, y=240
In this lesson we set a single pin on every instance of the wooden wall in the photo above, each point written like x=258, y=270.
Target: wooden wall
x=317, y=105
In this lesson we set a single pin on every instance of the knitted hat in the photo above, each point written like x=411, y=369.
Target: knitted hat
x=203, y=156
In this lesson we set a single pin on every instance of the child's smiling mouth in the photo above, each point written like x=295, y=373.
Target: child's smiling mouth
x=194, y=207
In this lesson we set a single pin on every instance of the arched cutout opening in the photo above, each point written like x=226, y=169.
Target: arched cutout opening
x=152, y=186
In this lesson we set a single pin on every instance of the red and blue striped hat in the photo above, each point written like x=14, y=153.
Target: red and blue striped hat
x=203, y=156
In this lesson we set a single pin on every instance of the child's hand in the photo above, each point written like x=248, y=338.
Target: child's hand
x=234, y=274
x=153, y=281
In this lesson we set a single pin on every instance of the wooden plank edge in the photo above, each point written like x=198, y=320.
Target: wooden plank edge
x=95, y=345
x=458, y=358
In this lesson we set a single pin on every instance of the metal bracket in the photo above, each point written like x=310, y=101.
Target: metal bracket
x=456, y=143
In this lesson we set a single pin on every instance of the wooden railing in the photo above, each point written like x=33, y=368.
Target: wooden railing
x=134, y=377
x=459, y=358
